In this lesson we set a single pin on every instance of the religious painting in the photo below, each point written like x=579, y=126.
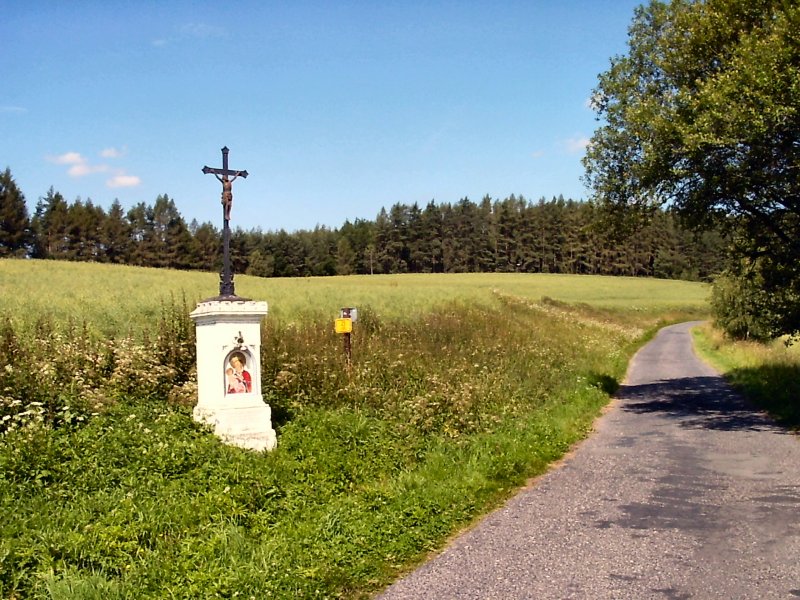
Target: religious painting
x=237, y=377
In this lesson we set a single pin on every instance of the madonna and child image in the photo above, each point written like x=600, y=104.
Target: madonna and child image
x=237, y=378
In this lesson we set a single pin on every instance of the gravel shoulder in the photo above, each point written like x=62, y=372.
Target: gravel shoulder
x=683, y=491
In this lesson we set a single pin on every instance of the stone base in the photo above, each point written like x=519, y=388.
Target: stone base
x=245, y=422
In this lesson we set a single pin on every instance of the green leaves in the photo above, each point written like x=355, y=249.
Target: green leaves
x=703, y=114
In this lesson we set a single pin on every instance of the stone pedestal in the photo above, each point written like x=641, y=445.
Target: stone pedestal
x=229, y=372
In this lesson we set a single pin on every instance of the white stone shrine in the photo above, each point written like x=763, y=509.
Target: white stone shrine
x=229, y=372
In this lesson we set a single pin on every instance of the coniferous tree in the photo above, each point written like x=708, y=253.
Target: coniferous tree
x=397, y=242
x=15, y=225
x=115, y=235
x=508, y=220
x=50, y=224
x=509, y=235
x=143, y=240
x=345, y=257
x=384, y=260
x=259, y=264
x=171, y=240
x=84, y=225
x=431, y=239
x=486, y=240
x=415, y=244
x=361, y=236
x=207, y=247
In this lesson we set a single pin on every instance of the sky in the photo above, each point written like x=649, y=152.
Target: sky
x=335, y=109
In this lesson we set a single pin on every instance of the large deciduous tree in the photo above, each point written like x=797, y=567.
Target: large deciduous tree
x=703, y=113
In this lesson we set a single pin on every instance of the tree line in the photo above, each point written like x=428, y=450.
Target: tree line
x=509, y=235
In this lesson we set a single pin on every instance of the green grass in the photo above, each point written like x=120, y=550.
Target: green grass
x=461, y=388
x=117, y=300
x=767, y=374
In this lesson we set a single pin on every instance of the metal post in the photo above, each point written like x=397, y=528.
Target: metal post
x=348, y=349
x=226, y=287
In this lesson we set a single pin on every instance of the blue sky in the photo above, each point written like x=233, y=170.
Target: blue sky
x=334, y=108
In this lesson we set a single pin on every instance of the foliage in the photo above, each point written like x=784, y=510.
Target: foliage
x=15, y=232
x=113, y=491
x=60, y=376
x=512, y=235
x=768, y=374
x=747, y=304
x=740, y=306
x=702, y=113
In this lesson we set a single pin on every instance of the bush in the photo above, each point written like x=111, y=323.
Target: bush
x=740, y=307
x=758, y=300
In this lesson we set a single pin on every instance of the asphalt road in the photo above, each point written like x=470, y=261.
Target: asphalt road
x=682, y=492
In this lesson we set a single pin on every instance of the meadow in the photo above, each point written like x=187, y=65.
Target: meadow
x=461, y=388
x=115, y=300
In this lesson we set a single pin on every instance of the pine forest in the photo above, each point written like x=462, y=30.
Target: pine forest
x=509, y=235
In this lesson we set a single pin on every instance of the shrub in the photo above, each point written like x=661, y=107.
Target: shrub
x=740, y=306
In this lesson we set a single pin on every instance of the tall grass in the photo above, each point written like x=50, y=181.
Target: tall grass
x=109, y=489
x=767, y=374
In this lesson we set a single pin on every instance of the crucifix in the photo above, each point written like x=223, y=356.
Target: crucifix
x=223, y=174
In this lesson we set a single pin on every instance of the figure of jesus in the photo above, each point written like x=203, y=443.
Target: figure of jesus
x=227, y=195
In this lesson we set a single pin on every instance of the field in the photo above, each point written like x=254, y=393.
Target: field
x=117, y=300
x=461, y=388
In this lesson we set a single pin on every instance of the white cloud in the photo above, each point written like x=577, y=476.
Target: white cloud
x=79, y=166
x=576, y=144
x=536, y=154
x=84, y=168
x=16, y=110
x=68, y=158
x=112, y=152
x=123, y=180
x=202, y=30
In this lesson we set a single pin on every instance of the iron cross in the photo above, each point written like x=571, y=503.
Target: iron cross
x=227, y=184
x=226, y=288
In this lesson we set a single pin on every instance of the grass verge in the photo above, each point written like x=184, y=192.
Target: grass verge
x=766, y=374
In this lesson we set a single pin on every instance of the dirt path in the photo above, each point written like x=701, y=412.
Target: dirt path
x=683, y=492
